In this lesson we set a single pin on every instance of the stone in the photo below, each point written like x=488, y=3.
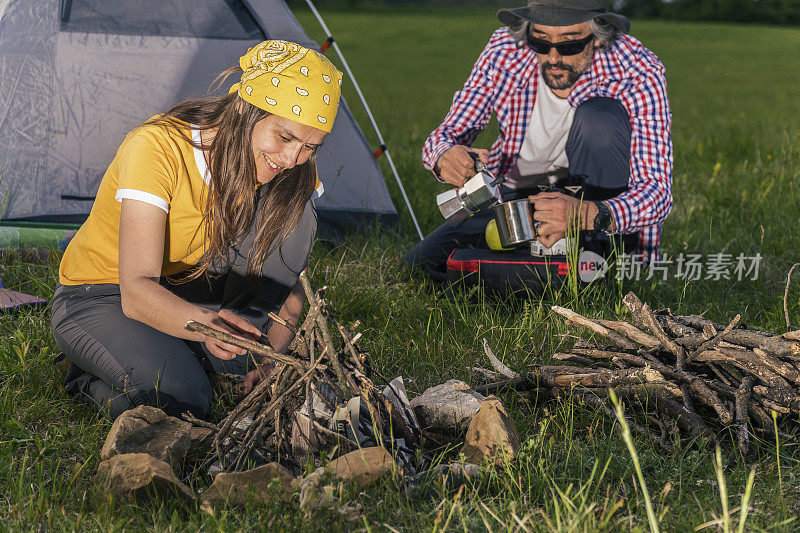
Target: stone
x=199, y=436
x=318, y=495
x=460, y=473
x=237, y=487
x=140, y=477
x=492, y=434
x=149, y=430
x=200, y=442
x=363, y=466
x=316, y=491
x=448, y=407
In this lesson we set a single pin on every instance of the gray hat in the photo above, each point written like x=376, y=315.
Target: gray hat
x=562, y=13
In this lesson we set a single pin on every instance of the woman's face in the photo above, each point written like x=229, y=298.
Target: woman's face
x=279, y=143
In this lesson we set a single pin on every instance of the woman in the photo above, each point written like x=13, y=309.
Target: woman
x=217, y=192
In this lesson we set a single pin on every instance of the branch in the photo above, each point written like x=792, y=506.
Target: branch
x=497, y=364
x=252, y=346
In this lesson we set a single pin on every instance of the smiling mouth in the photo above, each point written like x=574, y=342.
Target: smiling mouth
x=271, y=165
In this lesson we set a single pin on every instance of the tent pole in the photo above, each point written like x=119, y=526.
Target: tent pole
x=367, y=109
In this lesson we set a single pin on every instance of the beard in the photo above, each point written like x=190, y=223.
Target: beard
x=565, y=80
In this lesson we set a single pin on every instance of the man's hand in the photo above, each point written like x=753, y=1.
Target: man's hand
x=455, y=166
x=230, y=322
x=557, y=212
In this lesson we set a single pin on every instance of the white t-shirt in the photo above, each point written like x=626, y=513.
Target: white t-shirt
x=542, y=150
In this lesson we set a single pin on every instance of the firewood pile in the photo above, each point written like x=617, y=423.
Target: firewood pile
x=681, y=377
x=317, y=397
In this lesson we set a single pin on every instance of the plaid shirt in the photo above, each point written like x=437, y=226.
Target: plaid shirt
x=504, y=80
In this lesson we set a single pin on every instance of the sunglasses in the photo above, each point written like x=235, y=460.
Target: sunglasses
x=566, y=48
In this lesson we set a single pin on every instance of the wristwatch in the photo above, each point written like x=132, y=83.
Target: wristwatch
x=602, y=222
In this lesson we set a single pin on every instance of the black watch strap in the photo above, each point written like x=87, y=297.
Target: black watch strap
x=602, y=222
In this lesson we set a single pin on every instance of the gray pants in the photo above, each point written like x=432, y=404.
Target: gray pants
x=598, y=149
x=118, y=363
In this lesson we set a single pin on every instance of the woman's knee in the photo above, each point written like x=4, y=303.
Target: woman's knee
x=175, y=394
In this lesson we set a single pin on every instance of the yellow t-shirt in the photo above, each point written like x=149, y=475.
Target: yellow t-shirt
x=156, y=165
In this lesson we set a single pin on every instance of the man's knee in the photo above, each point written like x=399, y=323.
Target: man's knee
x=415, y=257
x=601, y=123
x=599, y=147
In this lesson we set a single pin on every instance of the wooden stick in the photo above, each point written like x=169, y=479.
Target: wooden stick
x=689, y=421
x=786, y=296
x=326, y=336
x=202, y=423
x=312, y=435
x=517, y=383
x=339, y=438
x=346, y=387
x=350, y=348
x=631, y=331
x=288, y=325
x=259, y=423
x=697, y=386
x=774, y=344
x=572, y=358
x=719, y=374
x=257, y=347
x=675, y=328
x=257, y=393
x=742, y=399
x=568, y=376
x=686, y=396
x=596, y=353
x=747, y=361
x=713, y=341
x=275, y=403
x=306, y=330
x=644, y=316
x=496, y=363
x=278, y=435
x=787, y=399
x=759, y=415
x=792, y=335
x=613, y=336
x=249, y=442
x=484, y=375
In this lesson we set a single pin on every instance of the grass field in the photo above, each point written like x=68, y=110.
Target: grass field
x=735, y=99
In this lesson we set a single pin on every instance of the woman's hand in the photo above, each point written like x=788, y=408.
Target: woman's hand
x=232, y=323
x=257, y=375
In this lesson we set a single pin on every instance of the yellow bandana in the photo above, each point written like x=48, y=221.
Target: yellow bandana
x=292, y=82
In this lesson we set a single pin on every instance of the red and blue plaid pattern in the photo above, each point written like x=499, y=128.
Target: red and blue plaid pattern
x=504, y=81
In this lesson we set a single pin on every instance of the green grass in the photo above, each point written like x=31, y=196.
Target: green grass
x=735, y=99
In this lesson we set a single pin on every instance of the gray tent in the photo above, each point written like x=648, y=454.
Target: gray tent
x=76, y=75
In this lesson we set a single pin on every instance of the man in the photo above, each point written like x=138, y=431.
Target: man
x=578, y=102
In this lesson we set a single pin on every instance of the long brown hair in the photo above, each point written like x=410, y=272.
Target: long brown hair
x=233, y=196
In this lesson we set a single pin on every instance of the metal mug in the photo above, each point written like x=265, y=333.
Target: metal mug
x=515, y=223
